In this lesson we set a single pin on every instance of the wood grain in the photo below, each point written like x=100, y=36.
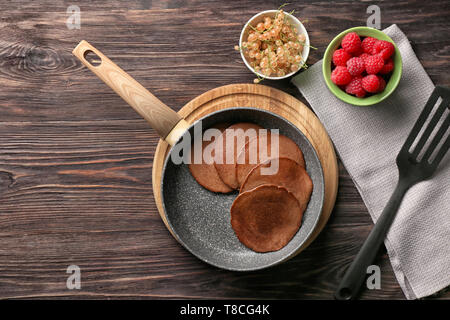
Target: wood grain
x=76, y=161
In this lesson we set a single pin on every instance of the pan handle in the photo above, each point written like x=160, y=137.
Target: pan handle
x=160, y=117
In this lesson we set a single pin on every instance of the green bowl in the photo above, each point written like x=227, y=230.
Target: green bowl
x=391, y=85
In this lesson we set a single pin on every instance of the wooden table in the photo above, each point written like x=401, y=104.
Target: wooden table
x=76, y=161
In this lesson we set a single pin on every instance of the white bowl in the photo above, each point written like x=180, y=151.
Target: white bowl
x=259, y=18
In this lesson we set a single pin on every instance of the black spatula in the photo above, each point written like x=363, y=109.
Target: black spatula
x=416, y=162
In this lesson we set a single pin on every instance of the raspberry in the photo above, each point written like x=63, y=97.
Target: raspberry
x=340, y=76
x=357, y=53
x=355, y=87
x=371, y=83
x=384, y=48
x=364, y=56
x=351, y=42
x=367, y=44
x=355, y=66
x=340, y=57
x=374, y=64
x=388, y=67
x=382, y=84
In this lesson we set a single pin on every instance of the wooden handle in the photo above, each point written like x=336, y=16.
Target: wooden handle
x=158, y=115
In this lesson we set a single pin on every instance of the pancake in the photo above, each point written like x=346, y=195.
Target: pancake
x=290, y=175
x=287, y=149
x=266, y=218
x=227, y=171
x=206, y=174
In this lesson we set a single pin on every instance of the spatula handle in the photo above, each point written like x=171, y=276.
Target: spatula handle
x=355, y=275
x=162, y=118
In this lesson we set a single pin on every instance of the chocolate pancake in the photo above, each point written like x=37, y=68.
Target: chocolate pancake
x=290, y=175
x=266, y=218
x=227, y=171
x=287, y=149
x=206, y=174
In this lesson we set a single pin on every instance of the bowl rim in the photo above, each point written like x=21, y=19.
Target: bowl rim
x=376, y=98
x=300, y=25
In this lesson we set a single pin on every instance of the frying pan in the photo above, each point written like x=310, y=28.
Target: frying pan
x=200, y=219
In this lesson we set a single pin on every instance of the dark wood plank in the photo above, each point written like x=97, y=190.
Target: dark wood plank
x=75, y=161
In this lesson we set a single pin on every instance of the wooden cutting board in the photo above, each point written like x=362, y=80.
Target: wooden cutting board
x=273, y=100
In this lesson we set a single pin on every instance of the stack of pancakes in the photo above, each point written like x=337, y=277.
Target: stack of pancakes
x=268, y=211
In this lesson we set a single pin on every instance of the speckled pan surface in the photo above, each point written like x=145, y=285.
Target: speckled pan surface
x=200, y=219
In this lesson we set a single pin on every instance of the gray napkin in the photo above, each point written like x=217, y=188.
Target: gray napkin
x=368, y=140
